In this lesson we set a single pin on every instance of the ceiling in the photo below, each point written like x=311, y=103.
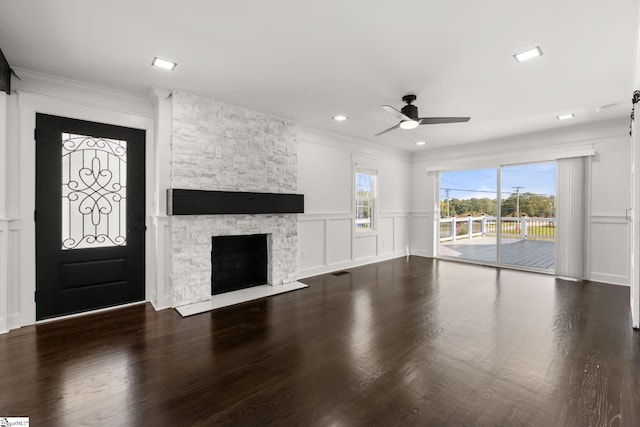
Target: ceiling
x=310, y=61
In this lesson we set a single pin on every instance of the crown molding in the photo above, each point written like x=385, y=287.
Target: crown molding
x=156, y=94
x=81, y=92
x=555, y=139
x=331, y=139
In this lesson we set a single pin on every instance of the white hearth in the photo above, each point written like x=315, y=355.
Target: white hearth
x=238, y=297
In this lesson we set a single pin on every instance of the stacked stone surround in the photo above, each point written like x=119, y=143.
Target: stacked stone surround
x=216, y=146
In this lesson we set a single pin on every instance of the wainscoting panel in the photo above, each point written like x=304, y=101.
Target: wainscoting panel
x=401, y=227
x=9, y=291
x=365, y=246
x=311, y=243
x=385, y=235
x=4, y=279
x=422, y=238
x=327, y=242
x=606, y=265
x=13, y=275
x=338, y=240
x=159, y=289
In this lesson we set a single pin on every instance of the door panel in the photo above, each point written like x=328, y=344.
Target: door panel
x=89, y=215
x=528, y=216
x=468, y=210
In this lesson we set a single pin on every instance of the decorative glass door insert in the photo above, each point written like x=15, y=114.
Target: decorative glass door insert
x=94, y=184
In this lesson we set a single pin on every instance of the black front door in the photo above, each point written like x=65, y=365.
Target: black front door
x=89, y=215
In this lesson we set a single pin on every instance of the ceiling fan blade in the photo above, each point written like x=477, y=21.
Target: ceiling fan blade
x=438, y=120
x=396, y=113
x=387, y=130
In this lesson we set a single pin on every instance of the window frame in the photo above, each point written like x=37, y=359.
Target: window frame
x=372, y=200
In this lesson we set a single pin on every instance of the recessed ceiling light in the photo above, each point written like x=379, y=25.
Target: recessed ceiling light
x=565, y=116
x=420, y=143
x=408, y=124
x=528, y=54
x=340, y=118
x=163, y=63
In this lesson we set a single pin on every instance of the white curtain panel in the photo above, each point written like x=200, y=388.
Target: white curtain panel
x=571, y=211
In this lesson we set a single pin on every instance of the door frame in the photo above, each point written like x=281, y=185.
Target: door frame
x=96, y=107
x=499, y=200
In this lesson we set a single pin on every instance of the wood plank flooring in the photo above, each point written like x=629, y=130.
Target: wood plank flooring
x=411, y=341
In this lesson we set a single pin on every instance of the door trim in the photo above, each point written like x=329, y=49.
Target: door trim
x=99, y=109
x=84, y=313
x=74, y=271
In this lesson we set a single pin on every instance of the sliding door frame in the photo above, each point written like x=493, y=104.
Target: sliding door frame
x=498, y=262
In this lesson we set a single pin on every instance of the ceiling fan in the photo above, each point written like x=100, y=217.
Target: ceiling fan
x=409, y=119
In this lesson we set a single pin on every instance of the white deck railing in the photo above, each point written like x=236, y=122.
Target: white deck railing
x=452, y=229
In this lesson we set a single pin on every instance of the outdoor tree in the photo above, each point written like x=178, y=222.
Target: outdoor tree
x=531, y=204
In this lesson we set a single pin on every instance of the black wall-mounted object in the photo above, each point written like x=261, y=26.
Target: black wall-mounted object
x=5, y=74
x=203, y=202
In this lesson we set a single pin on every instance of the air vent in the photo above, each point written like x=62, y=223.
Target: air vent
x=340, y=273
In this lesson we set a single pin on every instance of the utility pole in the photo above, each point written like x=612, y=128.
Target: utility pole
x=447, y=191
x=517, y=200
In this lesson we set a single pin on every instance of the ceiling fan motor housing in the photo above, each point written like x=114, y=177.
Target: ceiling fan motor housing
x=410, y=111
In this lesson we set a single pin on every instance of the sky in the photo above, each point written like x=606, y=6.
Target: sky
x=538, y=178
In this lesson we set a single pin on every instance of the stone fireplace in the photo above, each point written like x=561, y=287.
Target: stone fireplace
x=218, y=147
x=192, y=247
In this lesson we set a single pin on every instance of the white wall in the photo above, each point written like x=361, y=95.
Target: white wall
x=608, y=230
x=424, y=210
x=609, y=240
x=326, y=239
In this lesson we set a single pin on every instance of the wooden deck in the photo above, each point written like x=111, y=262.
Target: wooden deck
x=517, y=252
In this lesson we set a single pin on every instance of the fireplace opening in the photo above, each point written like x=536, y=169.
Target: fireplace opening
x=238, y=262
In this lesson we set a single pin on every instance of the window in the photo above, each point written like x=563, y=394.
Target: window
x=365, y=199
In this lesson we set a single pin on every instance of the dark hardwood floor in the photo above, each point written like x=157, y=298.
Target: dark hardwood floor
x=410, y=341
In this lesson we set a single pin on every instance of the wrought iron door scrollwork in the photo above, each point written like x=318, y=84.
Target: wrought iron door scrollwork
x=93, y=192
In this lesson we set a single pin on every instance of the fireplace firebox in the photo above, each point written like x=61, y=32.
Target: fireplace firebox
x=238, y=262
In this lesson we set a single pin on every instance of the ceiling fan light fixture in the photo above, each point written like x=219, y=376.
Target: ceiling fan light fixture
x=409, y=124
x=528, y=54
x=410, y=119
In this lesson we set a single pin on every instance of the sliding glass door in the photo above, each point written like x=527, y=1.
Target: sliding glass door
x=468, y=209
x=528, y=216
x=515, y=229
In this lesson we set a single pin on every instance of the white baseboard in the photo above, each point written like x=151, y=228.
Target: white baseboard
x=330, y=268
x=422, y=253
x=613, y=279
x=162, y=303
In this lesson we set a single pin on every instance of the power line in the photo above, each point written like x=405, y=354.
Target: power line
x=492, y=192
